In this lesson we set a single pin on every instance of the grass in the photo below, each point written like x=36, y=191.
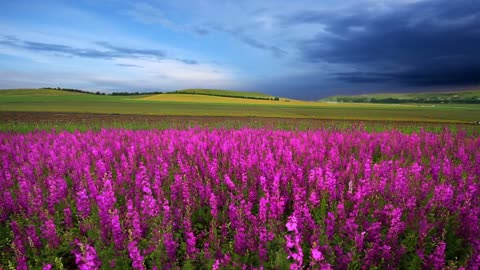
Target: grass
x=230, y=123
x=201, y=105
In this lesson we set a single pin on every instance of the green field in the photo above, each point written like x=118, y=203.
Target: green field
x=61, y=101
x=470, y=96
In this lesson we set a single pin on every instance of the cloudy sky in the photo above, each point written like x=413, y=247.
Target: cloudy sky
x=300, y=49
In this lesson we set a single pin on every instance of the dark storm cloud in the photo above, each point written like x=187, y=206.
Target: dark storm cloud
x=440, y=76
x=109, y=51
x=428, y=43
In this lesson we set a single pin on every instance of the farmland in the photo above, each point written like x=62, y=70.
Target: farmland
x=186, y=181
x=202, y=105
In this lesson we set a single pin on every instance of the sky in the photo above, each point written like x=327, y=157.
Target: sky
x=298, y=49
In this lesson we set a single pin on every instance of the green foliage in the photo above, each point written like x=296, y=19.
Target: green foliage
x=6, y=237
x=277, y=254
x=455, y=250
x=201, y=219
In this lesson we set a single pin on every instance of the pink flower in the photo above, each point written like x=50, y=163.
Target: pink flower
x=317, y=254
x=292, y=224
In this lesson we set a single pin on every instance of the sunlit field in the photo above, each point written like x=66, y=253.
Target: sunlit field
x=55, y=101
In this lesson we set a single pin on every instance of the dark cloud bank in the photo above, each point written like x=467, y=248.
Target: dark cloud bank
x=425, y=44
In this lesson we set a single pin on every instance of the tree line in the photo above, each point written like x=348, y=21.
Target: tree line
x=224, y=95
x=429, y=100
x=103, y=93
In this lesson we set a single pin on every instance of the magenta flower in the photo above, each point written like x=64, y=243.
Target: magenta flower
x=134, y=253
x=86, y=257
x=83, y=203
x=165, y=197
x=292, y=224
x=317, y=255
x=50, y=233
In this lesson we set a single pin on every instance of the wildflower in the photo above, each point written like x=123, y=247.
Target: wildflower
x=83, y=204
x=50, y=232
x=438, y=257
x=317, y=254
x=117, y=230
x=292, y=224
x=134, y=253
x=86, y=256
x=67, y=217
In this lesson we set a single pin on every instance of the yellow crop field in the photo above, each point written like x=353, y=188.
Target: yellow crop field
x=216, y=99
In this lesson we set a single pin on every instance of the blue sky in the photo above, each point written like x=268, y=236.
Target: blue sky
x=299, y=49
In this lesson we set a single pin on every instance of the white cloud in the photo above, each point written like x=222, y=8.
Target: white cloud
x=176, y=74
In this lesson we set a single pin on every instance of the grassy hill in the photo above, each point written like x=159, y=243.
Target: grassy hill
x=33, y=100
x=458, y=97
x=37, y=93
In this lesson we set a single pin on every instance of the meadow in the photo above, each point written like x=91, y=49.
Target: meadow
x=247, y=198
x=183, y=181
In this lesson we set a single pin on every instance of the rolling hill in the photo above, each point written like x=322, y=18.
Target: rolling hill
x=460, y=97
x=198, y=104
x=38, y=93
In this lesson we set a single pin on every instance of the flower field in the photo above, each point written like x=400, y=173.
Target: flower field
x=241, y=199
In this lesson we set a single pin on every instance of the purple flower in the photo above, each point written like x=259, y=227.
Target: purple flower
x=170, y=245
x=67, y=217
x=292, y=224
x=134, y=253
x=437, y=259
x=33, y=236
x=50, y=233
x=117, y=230
x=317, y=255
x=83, y=203
x=86, y=256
